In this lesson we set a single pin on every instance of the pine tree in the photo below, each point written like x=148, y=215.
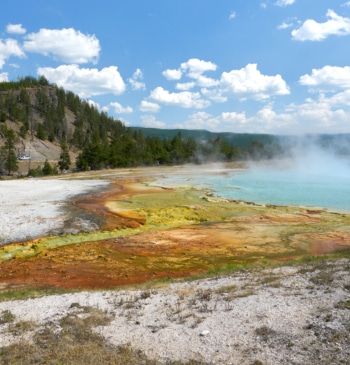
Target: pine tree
x=64, y=161
x=9, y=152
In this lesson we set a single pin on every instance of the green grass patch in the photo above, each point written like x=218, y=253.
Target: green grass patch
x=30, y=293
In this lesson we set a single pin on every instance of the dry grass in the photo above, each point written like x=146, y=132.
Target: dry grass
x=6, y=317
x=72, y=342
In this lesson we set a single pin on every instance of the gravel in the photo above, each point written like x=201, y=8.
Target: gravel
x=296, y=314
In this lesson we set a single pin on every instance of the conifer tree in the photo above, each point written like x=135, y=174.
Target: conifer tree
x=64, y=161
x=10, y=156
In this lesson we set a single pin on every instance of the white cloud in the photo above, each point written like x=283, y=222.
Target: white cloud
x=346, y=4
x=147, y=106
x=200, y=120
x=313, y=31
x=15, y=29
x=194, y=69
x=184, y=99
x=319, y=116
x=4, y=76
x=285, y=25
x=119, y=109
x=94, y=104
x=214, y=95
x=204, y=81
x=232, y=15
x=135, y=82
x=149, y=121
x=9, y=48
x=248, y=82
x=172, y=74
x=337, y=100
x=185, y=85
x=85, y=82
x=284, y=2
x=67, y=45
x=233, y=118
x=311, y=116
x=328, y=77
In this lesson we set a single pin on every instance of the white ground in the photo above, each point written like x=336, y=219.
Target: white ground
x=32, y=207
x=288, y=315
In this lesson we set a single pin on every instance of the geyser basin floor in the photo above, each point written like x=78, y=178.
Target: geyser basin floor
x=158, y=233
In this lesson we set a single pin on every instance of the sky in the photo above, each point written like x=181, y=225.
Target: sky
x=244, y=66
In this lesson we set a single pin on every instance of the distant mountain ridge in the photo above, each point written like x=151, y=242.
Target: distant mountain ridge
x=238, y=139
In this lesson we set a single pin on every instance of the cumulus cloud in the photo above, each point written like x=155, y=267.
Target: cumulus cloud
x=204, y=81
x=15, y=29
x=4, y=76
x=319, y=115
x=337, y=100
x=194, y=69
x=328, y=77
x=200, y=120
x=185, y=85
x=136, y=80
x=172, y=74
x=184, y=99
x=147, y=106
x=248, y=82
x=310, y=30
x=67, y=45
x=150, y=121
x=86, y=82
x=311, y=116
x=245, y=83
x=234, y=118
x=119, y=109
x=93, y=104
x=284, y=2
x=9, y=48
x=214, y=95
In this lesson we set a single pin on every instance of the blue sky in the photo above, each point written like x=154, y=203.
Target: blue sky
x=257, y=66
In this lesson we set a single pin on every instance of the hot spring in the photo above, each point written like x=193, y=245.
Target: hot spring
x=314, y=179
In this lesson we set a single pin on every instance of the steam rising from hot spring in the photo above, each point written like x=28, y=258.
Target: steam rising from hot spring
x=309, y=175
x=311, y=161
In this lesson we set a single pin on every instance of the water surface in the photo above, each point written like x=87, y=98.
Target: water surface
x=309, y=185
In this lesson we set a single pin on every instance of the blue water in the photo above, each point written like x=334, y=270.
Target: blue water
x=285, y=188
x=322, y=184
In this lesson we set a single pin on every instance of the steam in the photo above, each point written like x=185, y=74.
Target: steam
x=312, y=157
x=315, y=161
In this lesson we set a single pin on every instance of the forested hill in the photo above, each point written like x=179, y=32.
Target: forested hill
x=241, y=140
x=34, y=112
